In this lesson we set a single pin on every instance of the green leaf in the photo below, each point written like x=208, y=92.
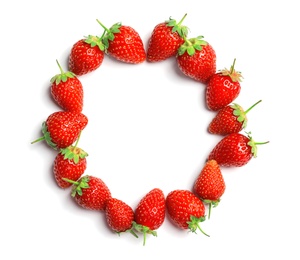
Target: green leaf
x=111, y=36
x=181, y=50
x=64, y=77
x=47, y=136
x=171, y=22
x=76, y=158
x=190, y=50
x=197, y=47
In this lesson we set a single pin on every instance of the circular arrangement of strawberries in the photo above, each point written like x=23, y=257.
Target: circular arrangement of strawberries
x=196, y=59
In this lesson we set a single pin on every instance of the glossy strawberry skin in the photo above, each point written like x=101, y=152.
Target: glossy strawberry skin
x=200, y=66
x=150, y=211
x=68, y=95
x=84, y=58
x=163, y=43
x=221, y=91
x=225, y=122
x=181, y=205
x=66, y=168
x=127, y=46
x=233, y=150
x=95, y=196
x=119, y=215
x=64, y=127
x=210, y=184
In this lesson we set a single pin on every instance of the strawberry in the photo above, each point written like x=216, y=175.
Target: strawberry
x=67, y=91
x=69, y=163
x=90, y=192
x=124, y=43
x=229, y=119
x=210, y=185
x=185, y=210
x=197, y=59
x=149, y=214
x=235, y=150
x=86, y=55
x=119, y=216
x=165, y=40
x=62, y=128
x=222, y=88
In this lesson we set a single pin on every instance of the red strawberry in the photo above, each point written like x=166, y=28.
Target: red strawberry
x=229, y=119
x=197, y=59
x=210, y=185
x=185, y=210
x=70, y=163
x=222, y=88
x=90, y=192
x=66, y=89
x=62, y=128
x=234, y=150
x=165, y=40
x=124, y=43
x=86, y=55
x=119, y=216
x=149, y=214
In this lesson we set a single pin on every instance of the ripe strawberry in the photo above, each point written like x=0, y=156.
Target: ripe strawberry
x=234, y=149
x=119, y=216
x=222, y=88
x=90, y=192
x=149, y=214
x=69, y=163
x=62, y=128
x=86, y=55
x=229, y=119
x=124, y=43
x=197, y=59
x=210, y=185
x=165, y=40
x=67, y=91
x=185, y=210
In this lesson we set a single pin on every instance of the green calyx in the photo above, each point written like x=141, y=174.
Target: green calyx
x=46, y=137
x=239, y=112
x=143, y=229
x=211, y=203
x=254, y=144
x=73, y=153
x=191, y=45
x=236, y=76
x=83, y=183
x=177, y=27
x=109, y=34
x=63, y=76
x=130, y=230
x=193, y=224
x=95, y=41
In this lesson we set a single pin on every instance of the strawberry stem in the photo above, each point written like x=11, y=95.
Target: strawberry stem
x=143, y=229
x=105, y=29
x=38, y=140
x=182, y=19
x=60, y=68
x=232, y=66
x=252, y=106
x=71, y=181
x=77, y=139
x=202, y=230
x=209, y=210
x=259, y=143
x=193, y=224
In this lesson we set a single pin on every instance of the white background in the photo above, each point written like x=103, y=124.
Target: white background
x=148, y=128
